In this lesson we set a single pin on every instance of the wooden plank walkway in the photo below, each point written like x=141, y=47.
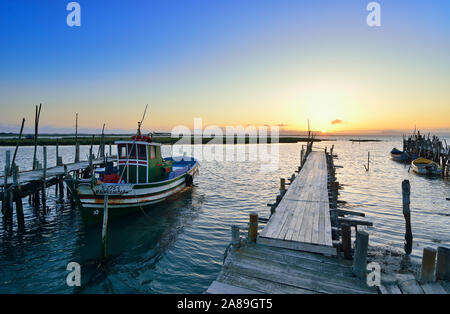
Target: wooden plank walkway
x=302, y=219
x=256, y=268
x=36, y=175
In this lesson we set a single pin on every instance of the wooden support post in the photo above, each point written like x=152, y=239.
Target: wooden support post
x=44, y=181
x=282, y=186
x=428, y=265
x=105, y=226
x=7, y=163
x=5, y=203
x=301, y=157
x=443, y=263
x=346, y=240
x=360, y=260
x=235, y=236
x=17, y=197
x=406, y=192
x=253, y=228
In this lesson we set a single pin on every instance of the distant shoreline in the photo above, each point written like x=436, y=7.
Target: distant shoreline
x=97, y=140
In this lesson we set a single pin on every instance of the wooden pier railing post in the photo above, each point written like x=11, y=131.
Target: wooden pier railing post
x=18, y=197
x=428, y=265
x=5, y=203
x=443, y=263
x=235, y=236
x=360, y=260
x=282, y=186
x=406, y=192
x=44, y=181
x=253, y=228
x=346, y=240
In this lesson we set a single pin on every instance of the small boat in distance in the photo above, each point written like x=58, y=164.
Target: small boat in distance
x=141, y=177
x=426, y=166
x=398, y=155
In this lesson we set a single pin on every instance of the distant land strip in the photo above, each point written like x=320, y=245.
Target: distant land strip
x=97, y=140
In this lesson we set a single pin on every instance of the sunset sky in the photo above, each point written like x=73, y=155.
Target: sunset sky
x=230, y=62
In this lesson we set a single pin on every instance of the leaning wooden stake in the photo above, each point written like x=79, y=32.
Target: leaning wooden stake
x=105, y=226
x=360, y=260
x=253, y=228
x=406, y=192
x=368, y=162
x=428, y=265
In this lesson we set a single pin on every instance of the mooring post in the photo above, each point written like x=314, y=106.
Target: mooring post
x=282, y=186
x=235, y=236
x=406, y=192
x=443, y=263
x=253, y=228
x=18, y=197
x=105, y=226
x=360, y=260
x=346, y=240
x=44, y=180
x=428, y=265
x=5, y=202
x=8, y=162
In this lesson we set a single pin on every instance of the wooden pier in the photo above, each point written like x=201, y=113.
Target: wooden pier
x=306, y=245
x=430, y=147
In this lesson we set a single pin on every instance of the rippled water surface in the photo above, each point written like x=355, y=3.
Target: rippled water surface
x=178, y=246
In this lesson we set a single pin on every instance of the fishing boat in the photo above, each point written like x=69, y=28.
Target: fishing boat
x=426, y=166
x=139, y=178
x=398, y=155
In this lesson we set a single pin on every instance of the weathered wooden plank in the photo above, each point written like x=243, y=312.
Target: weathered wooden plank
x=258, y=284
x=300, y=246
x=293, y=276
x=408, y=284
x=433, y=288
x=218, y=287
x=390, y=288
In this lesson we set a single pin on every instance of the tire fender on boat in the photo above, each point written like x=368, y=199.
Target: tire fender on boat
x=189, y=180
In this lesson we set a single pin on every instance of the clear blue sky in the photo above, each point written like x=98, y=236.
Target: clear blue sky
x=230, y=62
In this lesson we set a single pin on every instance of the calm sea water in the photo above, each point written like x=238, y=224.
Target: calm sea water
x=178, y=246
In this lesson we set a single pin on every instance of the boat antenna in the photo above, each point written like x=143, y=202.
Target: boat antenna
x=140, y=123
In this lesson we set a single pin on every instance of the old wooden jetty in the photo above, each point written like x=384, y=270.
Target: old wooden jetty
x=430, y=147
x=16, y=184
x=306, y=244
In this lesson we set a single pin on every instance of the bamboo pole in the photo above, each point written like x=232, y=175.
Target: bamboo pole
x=36, y=130
x=17, y=145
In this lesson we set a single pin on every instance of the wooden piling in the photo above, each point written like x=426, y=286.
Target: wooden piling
x=282, y=186
x=253, y=228
x=17, y=197
x=428, y=265
x=44, y=180
x=360, y=260
x=235, y=236
x=346, y=240
x=406, y=193
x=443, y=263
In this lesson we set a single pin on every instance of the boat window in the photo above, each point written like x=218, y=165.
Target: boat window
x=122, y=151
x=142, y=152
x=132, y=151
x=152, y=152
